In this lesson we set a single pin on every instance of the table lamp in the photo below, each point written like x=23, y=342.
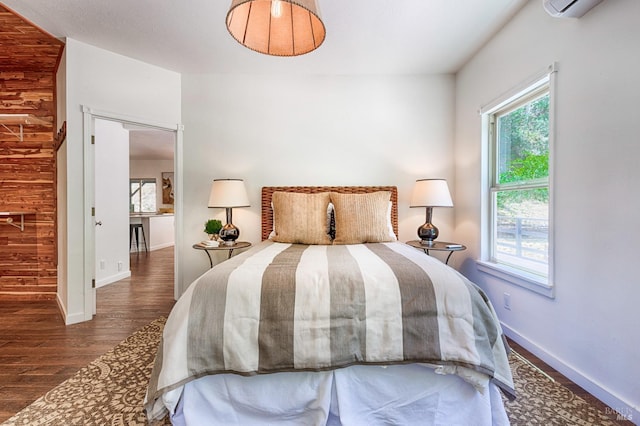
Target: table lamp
x=228, y=193
x=430, y=193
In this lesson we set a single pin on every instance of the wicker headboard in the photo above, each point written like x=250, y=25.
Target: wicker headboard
x=267, y=193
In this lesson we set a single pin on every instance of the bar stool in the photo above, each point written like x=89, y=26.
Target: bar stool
x=133, y=230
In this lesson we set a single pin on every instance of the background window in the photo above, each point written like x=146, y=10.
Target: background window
x=142, y=195
x=520, y=182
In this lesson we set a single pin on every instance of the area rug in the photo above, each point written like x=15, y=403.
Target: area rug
x=110, y=391
x=543, y=401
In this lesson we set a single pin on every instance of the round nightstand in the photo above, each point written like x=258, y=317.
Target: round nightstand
x=206, y=248
x=438, y=246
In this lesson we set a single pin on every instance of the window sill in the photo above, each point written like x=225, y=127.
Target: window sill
x=517, y=277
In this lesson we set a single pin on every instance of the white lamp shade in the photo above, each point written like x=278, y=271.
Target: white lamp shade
x=431, y=193
x=228, y=193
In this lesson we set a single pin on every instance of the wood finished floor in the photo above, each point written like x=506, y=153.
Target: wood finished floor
x=38, y=352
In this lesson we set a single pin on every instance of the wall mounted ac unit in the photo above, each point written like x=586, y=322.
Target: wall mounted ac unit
x=568, y=8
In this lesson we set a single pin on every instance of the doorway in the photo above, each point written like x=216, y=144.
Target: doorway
x=133, y=199
x=99, y=167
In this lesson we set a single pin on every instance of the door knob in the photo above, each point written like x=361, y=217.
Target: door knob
x=99, y=223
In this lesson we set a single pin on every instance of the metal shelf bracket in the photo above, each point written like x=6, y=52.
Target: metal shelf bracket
x=9, y=220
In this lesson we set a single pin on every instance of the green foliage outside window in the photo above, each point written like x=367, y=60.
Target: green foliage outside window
x=524, y=138
x=531, y=167
x=519, y=155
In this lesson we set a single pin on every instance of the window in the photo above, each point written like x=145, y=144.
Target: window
x=518, y=242
x=142, y=195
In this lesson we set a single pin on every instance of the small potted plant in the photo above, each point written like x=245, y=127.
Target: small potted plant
x=212, y=227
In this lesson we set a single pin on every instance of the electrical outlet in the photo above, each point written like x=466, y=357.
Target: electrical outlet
x=506, y=297
x=103, y=264
x=119, y=266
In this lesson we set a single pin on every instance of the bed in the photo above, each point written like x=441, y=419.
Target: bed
x=331, y=321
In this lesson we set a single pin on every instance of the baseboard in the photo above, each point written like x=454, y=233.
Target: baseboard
x=152, y=248
x=74, y=318
x=625, y=410
x=112, y=278
x=63, y=310
x=69, y=319
x=161, y=246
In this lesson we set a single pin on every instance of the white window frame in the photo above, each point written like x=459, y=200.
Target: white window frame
x=142, y=181
x=486, y=263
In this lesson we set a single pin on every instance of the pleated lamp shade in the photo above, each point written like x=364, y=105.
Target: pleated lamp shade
x=276, y=27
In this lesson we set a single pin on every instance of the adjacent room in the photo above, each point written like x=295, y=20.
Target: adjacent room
x=151, y=153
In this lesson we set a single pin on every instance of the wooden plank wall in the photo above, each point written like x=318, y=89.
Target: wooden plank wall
x=27, y=183
x=28, y=62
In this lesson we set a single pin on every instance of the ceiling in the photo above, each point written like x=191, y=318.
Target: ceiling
x=151, y=144
x=363, y=36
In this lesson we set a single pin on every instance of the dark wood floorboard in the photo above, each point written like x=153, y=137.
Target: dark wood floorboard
x=38, y=352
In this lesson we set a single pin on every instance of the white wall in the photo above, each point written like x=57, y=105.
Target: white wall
x=111, y=202
x=161, y=232
x=311, y=130
x=107, y=82
x=589, y=331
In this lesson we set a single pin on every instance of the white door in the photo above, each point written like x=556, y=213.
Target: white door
x=111, y=198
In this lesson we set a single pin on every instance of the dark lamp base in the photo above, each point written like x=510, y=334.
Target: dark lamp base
x=427, y=233
x=229, y=234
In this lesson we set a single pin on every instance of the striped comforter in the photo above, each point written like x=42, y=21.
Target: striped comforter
x=282, y=307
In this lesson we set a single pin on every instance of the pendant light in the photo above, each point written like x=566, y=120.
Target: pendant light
x=276, y=27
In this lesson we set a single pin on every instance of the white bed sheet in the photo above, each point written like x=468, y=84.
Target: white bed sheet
x=411, y=394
